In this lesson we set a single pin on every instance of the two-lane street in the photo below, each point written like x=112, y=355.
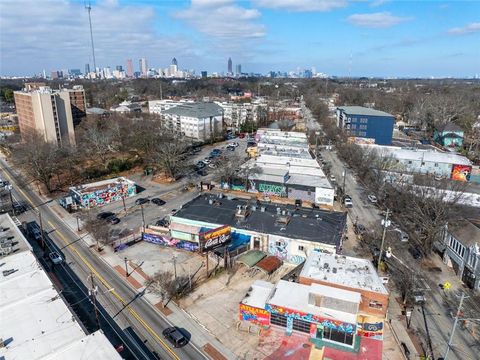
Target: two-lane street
x=115, y=295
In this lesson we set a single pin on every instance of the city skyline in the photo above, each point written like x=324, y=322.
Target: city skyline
x=341, y=38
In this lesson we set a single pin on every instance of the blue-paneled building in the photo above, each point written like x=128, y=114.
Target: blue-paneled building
x=366, y=124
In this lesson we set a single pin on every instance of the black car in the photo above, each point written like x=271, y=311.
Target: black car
x=174, y=335
x=359, y=229
x=162, y=223
x=158, y=201
x=417, y=254
x=202, y=172
x=105, y=215
x=113, y=220
x=141, y=201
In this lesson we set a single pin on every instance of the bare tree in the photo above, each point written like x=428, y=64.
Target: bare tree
x=229, y=169
x=165, y=285
x=169, y=154
x=97, y=228
x=38, y=159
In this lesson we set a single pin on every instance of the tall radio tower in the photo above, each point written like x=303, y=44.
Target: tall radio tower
x=89, y=9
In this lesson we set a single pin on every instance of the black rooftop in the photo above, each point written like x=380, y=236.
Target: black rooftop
x=303, y=223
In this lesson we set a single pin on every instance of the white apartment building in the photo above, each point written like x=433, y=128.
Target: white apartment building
x=200, y=121
x=236, y=114
x=159, y=106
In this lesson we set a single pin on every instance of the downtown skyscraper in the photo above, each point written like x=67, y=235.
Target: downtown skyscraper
x=230, y=66
x=129, y=68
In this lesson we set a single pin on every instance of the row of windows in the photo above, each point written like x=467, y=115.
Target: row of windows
x=361, y=127
x=298, y=325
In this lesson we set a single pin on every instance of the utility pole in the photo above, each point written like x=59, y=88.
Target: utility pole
x=93, y=293
x=126, y=267
x=344, y=176
x=9, y=187
x=385, y=224
x=41, y=228
x=89, y=9
x=454, y=326
x=143, y=221
x=175, y=267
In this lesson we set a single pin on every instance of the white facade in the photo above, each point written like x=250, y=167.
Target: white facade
x=159, y=106
x=237, y=114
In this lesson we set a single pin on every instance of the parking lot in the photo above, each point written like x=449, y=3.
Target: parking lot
x=132, y=216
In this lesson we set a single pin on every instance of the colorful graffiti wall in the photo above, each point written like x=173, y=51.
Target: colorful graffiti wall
x=371, y=330
x=255, y=315
x=167, y=241
x=279, y=247
x=298, y=315
x=272, y=189
x=109, y=194
x=461, y=172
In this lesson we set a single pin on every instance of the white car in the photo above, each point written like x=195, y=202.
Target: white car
x=212, y=166
x=332, y=178
x=55, y=257
x=234, y=144
x=207, y=161
x=347, y=202
x=372, y=198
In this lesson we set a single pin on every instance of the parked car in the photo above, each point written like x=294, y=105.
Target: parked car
x=332, y=178
x=372, y=198
x=403, y=236
x=55, y=257
x=202, y=172
x=235, y=144
x=206, y=161
x=141, y=201
x=113, y=220
x=417, y=254
x=105, y=215
x=231, y=147
x=174, y=335
x=359, y=229
x=347, y=201
x=158, y=201
x=212, y=166
x=162, y=222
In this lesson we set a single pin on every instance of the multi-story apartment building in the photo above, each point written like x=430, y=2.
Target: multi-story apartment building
x=49, y=113
x=200, y=121
x=237, y=114
x=159, y=106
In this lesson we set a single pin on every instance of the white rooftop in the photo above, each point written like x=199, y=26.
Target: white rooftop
x=315, y=299
x=35, y=321
x=101, y=184
x=348, y=271
x=258, y=294
x=420, y=154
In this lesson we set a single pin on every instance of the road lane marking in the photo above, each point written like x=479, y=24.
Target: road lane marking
x=107, y=286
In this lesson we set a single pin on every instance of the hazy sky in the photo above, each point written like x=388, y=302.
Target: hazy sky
x=338, y=37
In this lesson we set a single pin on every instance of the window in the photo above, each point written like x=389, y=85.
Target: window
x=436, y=165
x=337, y=336
x=300, y=248
x=375, y=305
x=409, y=162
x=278, y=243
x=278, y=320
x=423, y=163
x=353, y=126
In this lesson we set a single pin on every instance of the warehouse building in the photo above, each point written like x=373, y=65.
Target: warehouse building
x=365, y=124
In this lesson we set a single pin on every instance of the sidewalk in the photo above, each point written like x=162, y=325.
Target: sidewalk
x=202, y=338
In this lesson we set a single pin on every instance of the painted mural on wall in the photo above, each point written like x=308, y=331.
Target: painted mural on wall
x=107, y=195
x=278, y=247
x=272, y=189
x=298, y=315
x=167, y=241
x=255, y=315
x=371, y=330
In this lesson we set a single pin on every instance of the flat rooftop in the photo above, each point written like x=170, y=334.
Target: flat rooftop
x=314, y=225
x=11, y=236
x=360, y=110
x=196, y=110
x=348, y=271
x=100, y=185
x=320, y=300
x=420, y=155
x=258, y=294
x=35, y=320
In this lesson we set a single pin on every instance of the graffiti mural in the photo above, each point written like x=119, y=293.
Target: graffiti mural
x=272, y=189
x=255, y=315
x=107, y=195
x=278, y=247
x=461, y=172
x=167, y=241
x=371, y=330
x=298, y=315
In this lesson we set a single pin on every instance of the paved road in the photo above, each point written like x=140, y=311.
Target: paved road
x=438, y=318
x=115, y=295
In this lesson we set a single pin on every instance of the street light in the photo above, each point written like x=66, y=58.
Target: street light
x=385, y=223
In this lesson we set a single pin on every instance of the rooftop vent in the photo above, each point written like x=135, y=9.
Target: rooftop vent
x=262, y=209
x=242, y=212
x=282, y=219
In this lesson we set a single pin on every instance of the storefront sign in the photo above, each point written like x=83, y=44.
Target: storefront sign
x=215, y=238
x=167, y=241
x=254, y=314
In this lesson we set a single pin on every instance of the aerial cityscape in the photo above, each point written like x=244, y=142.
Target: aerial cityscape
x=240, y=180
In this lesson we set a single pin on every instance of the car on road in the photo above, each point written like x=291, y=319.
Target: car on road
x=347, y=201
x=417, y=254
x=333, y=178
x=158, y=201
x=113, y=220
x=55, y=257
x=105, y=215
x=175, y=336
x=372, y=198
x=141, y=201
